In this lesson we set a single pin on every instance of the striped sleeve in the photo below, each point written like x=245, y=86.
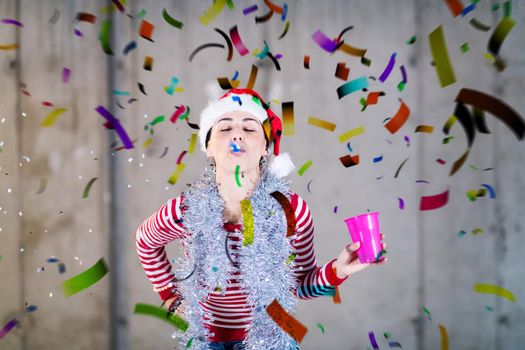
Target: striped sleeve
x=312, y=281
x=153, y=234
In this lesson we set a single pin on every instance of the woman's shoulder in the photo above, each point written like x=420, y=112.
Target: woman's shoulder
x=296, y=200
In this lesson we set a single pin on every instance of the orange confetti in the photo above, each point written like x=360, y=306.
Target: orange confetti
x=287, y=322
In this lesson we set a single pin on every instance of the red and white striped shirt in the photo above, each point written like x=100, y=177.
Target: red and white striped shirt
x=230, y=312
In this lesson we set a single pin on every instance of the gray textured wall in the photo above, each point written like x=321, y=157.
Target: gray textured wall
x=429, y=265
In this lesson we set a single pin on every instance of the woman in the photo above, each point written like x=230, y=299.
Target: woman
x=248, y=238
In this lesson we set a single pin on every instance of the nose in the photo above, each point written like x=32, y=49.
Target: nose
x=237, y=138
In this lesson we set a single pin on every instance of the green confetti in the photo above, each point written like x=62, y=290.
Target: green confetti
x=462, y=233
x=447, y=139
x=85, y=279
x=158, y=312
x=477, y=231
x=305, y=167
x=290, y=258
x=321, y=327
x=425, y=310
x=411, y=40
x=401, y=86
x=465, y=48
x=237, y=169
x=188, y=344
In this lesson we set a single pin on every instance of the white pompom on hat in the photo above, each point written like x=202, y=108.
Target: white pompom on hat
x=248, y=100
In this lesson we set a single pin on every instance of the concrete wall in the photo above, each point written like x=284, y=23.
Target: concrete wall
x=429, y=265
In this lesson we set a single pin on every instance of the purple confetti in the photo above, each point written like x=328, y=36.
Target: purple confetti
x=78, y=33
x=404, y=74
x=388, y=68
x=250, y=9
x=10, y=325
x=116, y=125
x=66, y=72
x=401, y=203
x=12, y=21
x=373, y=341
x=325, y=42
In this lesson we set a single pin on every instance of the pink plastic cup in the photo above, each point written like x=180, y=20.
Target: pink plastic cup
x=364, y=228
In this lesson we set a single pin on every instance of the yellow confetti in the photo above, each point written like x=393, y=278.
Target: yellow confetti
x=193, y=140
x=351, y=133
x=321, y=123
x=51, y=118
x=175, y=175
x=247, y=219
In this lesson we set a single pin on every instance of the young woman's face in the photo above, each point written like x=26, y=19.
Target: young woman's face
x=246, y=132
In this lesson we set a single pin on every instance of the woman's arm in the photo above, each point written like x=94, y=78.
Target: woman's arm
x=312, y=281
x=153, y=234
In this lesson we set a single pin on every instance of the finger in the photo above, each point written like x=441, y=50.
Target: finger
x=353, y=247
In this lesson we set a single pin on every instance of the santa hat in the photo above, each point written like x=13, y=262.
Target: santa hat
x=248, y=100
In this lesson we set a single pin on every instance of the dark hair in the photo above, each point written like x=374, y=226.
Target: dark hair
x=208, y=136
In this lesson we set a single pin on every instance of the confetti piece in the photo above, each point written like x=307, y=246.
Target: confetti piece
x=116, y=125
x=352, y=86
x=321, y=327
x=86, y=17
x=434, y=201
x=489, y=188
x=336, y=298
x=8, y=47
x=237, y=179
x=8, y=327
x=193, y=141
x=54, y=18
x=247, y=219
x=287, y=322
x=188, y=344
x=228, y=42
x=411, y=40
x=479, y=26
x=170, y=20
x=52, y=117
x=498, y=36
x=305, y=167
x=401, y=203
x=447, y=139
x=351, y=133
x=321, y=123
x=464, y=47
x=440, y=56
x=88, y=187
x=253, y=77
x=378, y=159
x=274, y=7
x=400, y=166
x=388, y=69
x=494, y=289
x=31, y=308
x=163, y=153
x=160, y=313
x=12, y=21
x=335, y=209
x=455, y=7
x=290, y=258
x=349, y=146
x=204, y=46
x=324, y=42
x=468, y=9
x=148, y=63
x=61, y=265
x=288, y=118
x=43, y=186
x=349, y=160
x=286, y=28
x=119, y=6
x=306, y=62
x=264, y=18
x=373, y=97
x=66, y=72
x=398, y=119
x=373, y=341
x=444, y=337
x=477, y=231
x=496, y=107
x=142, y=89
x=489, y=308
x=132, y=45
x=212, y=12
x=141, y=14
x=104, y=36
x=237, y=41
x=288, y=211
x=425, y=128
x=250, y=9
x=425, y=310
x=85, y=279
x=342, y=71
x=422, y=181
x=175, y=175
x=146, y=30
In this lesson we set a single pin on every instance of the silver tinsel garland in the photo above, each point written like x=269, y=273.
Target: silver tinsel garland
x=266, y=276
